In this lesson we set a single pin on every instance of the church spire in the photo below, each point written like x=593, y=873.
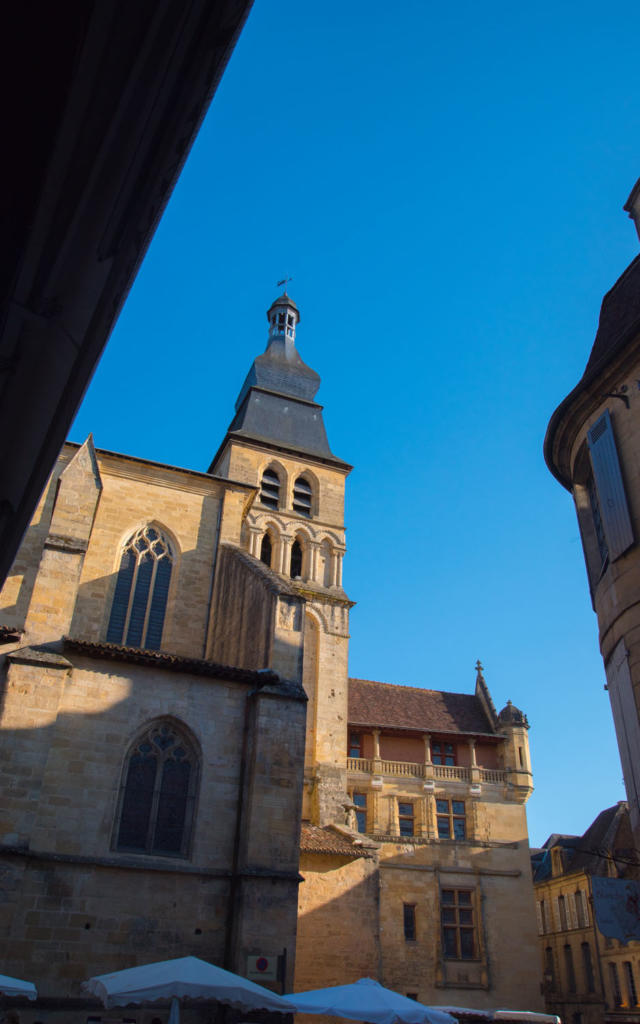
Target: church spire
x=280, y=369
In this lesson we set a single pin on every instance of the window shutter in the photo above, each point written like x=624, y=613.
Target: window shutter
x=585, y=908
x=539, y=917
x=611, y=493
x=556, y=914
x=573, y=914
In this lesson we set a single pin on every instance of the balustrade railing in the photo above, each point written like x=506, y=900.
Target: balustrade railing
x=414, y=769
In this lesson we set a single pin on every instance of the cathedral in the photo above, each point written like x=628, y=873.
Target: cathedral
x=187, y=767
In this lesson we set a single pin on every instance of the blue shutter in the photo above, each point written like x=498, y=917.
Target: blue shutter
x=139, y=603
x=611, y=494
x=121, y=598
x=158, y=605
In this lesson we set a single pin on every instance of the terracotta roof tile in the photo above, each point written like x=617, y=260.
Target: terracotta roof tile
x=315, y=839
x=409, y=707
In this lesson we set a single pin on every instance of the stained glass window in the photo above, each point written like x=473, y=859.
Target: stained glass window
x=158, y=793
x=142, y=589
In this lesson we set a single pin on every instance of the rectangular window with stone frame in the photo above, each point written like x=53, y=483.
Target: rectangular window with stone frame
x=452, y=819
x=406, y=818
x=458, y=924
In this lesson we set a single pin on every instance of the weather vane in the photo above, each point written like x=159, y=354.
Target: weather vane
x=285, y=281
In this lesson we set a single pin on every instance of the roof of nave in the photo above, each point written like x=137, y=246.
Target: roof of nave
x=317, y=839
x=409, y=707
x=609, y=834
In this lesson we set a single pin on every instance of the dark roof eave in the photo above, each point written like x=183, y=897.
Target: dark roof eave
x=263, y=442
x=171, y=662
x=390, y=727
x=591, y=374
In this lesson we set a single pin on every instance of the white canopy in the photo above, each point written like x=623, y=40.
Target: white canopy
x=528, y=1016
x=15, y=987
x=367, y=1000
x=185, y=977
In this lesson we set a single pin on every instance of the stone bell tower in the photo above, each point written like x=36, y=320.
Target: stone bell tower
x=278, y=443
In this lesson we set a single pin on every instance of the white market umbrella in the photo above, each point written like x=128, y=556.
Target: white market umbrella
x=186, y=977
x=367, y=1000
x=15, y=987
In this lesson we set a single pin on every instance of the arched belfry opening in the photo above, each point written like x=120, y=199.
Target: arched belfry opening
x=266, y=550
x=296, y=559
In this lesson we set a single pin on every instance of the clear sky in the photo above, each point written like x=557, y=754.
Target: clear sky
x=444, y=183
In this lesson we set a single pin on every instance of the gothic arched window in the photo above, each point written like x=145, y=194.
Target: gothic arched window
x=266, y=550
x=296, y=559
x=302, y=495
x=158, y=793
x=142, y=588
x=270, y=489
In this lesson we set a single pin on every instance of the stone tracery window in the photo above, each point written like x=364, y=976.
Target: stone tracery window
x=142, y=588
x=158, y=793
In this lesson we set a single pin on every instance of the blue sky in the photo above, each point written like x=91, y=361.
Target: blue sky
x=445, y=186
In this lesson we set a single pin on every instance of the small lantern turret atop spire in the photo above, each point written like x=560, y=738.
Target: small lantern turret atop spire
x=283, y=316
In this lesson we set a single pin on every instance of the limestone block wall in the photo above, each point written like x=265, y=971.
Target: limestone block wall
x=66, y=734
x=257, y=619
x=15, y=595
x=499, y=882
x=67, y=722
x=339, y=901
x=135, y=495
x=192, y=510
x=246, y=462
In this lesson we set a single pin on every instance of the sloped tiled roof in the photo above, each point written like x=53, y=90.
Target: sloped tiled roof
x=409, y=707
x=315, y=839
x=608, y=835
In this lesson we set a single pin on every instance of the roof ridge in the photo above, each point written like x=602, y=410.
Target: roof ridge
x=407, y=686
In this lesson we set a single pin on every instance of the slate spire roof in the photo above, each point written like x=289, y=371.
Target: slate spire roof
x=276, y=402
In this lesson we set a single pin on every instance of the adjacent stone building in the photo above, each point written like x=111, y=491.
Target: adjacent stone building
x=591, y=447
x=434, y=895
x=175, y=700
x=589, y=977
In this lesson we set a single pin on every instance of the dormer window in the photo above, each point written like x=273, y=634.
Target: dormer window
x=270, y=489
x=302, y=495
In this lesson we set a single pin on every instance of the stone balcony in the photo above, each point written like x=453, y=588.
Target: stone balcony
x=415, y=770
